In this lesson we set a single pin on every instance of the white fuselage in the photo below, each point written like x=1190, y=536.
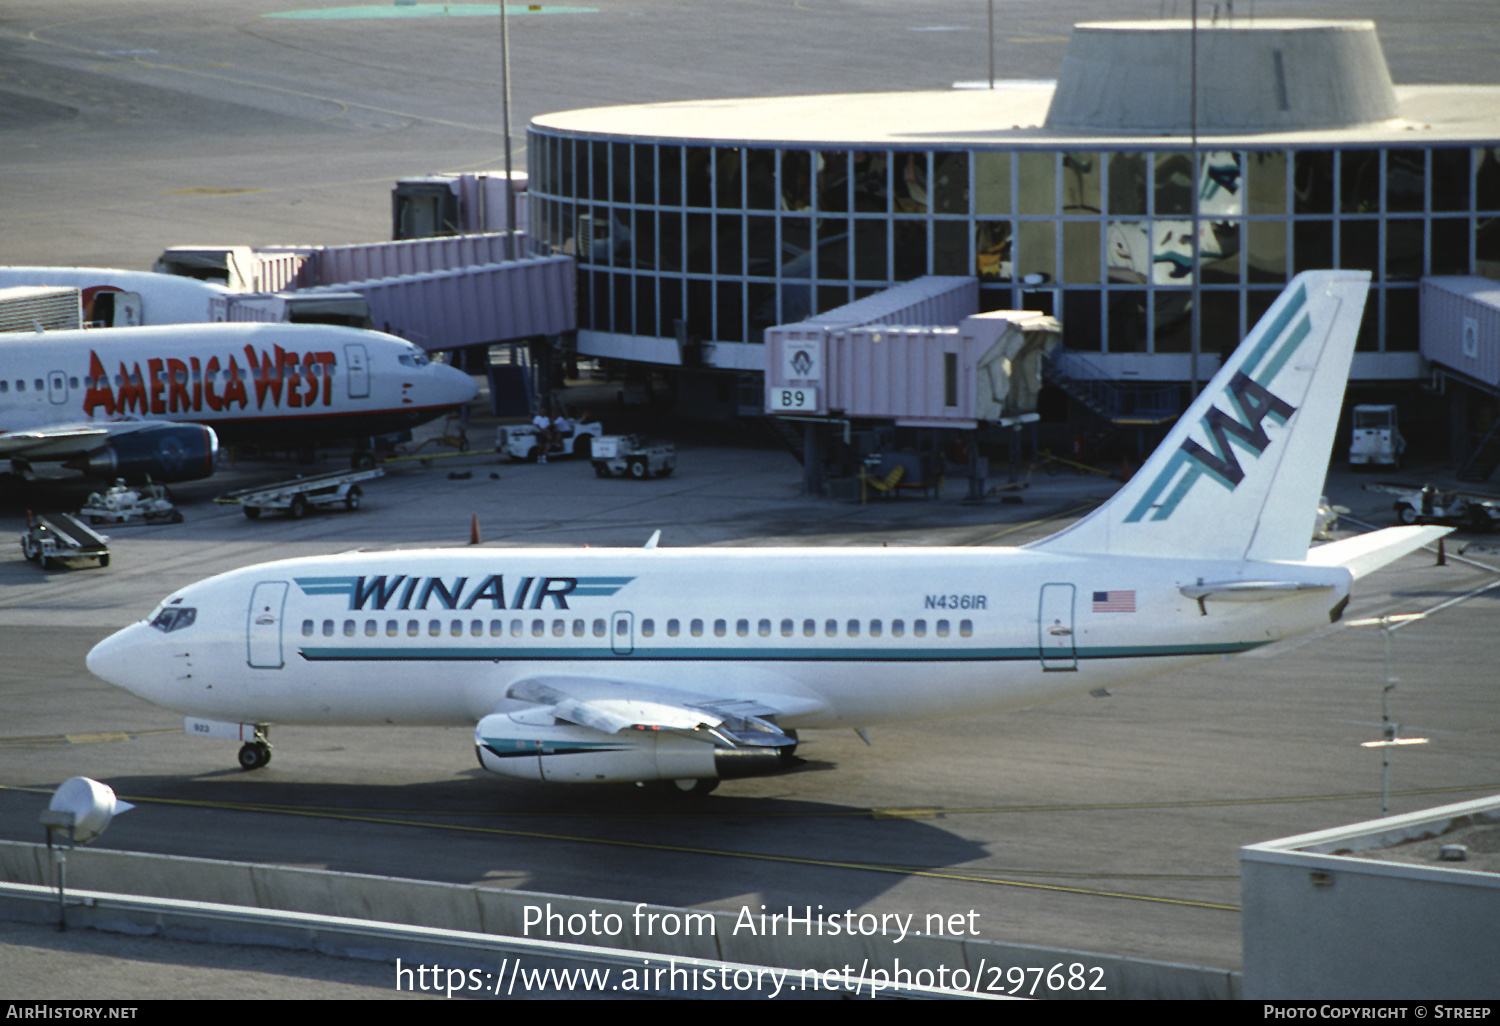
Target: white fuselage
x=847, y=637
x=242, y=380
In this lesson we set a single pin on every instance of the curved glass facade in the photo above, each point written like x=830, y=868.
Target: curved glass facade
x=730, y=240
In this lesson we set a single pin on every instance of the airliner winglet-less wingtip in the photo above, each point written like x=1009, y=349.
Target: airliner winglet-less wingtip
x=693, y=665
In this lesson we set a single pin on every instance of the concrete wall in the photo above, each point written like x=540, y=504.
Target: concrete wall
x=1319, y=925
x=502, y=913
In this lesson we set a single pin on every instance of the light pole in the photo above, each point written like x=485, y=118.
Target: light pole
x=510, y=193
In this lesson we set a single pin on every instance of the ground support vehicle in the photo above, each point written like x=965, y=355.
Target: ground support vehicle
x=633, y=456
x=53, y=539
x=523, y=442
x=300, y=494
x=121, y=504
x=1429, y=505
x=1377, y=439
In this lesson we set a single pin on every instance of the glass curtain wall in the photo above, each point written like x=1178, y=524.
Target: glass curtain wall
x=721, y=242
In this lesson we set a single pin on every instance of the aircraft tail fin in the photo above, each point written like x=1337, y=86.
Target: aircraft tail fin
x=1239, y=476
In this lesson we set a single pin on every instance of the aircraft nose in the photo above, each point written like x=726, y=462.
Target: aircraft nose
x=456, y=387
x=121, y=659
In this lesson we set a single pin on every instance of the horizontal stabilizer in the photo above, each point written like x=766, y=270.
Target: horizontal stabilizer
x=1365, y=553
x=1248, y=591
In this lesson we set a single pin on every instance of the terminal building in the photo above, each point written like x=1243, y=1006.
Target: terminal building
x=1109, y=199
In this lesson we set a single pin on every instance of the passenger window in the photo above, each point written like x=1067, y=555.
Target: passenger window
x=898, y=628
x=327, y=628
x=456, y=628
x=809, y=628
x=538, y=628
x=742, y=627
x=348, y=628
x=919, y=628
x=497, y=628
x=831, y=628
x=672, y=628
x=697, y=628
x=476, y=628
x=515, y=628
x=391, y=628
x=720, y=628
x=413, y=628
x=942, y=628
x=599, y=629
x=434, y=628
x=764, y=628
x=874, y=628
x=853, y=628
x=579, y=628
x=786, y=628
x=966, y=628
x=307, y=628
x=559, y=628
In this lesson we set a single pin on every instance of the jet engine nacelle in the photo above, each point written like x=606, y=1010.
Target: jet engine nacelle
x=534, y=745
x=163, y=452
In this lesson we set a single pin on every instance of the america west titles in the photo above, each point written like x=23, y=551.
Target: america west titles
x=279, y=378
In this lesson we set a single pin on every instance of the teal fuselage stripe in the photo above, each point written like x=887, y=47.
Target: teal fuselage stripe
x=784, y=655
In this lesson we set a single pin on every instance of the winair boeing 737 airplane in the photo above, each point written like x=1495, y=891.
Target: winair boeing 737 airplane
x=692, y=665
x=154, y=401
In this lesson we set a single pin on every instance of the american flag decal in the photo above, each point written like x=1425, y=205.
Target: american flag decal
x=1114, y=601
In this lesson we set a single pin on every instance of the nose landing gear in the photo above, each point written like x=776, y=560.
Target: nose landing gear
x=255, y=755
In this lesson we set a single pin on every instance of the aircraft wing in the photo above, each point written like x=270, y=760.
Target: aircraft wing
x=612, y=706
x=53, y=442
x=65, y=441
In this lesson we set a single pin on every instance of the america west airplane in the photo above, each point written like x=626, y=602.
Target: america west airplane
x=692, y=665
x=155, y=401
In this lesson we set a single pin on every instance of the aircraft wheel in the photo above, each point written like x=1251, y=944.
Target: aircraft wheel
x=254, y=755
x=1406, y=514
x=637, y=468
x=298, y=508
x=691, y=788
x=351, y=500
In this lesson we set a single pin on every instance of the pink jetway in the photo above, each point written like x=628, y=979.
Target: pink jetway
x=441, y=293
x=977, y=367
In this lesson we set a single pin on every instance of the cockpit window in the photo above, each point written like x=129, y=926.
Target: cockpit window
x=415, y=358
x=174, y=619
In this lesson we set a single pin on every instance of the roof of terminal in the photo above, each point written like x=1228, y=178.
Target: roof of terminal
x=1270, y=82
x=1010, y=115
